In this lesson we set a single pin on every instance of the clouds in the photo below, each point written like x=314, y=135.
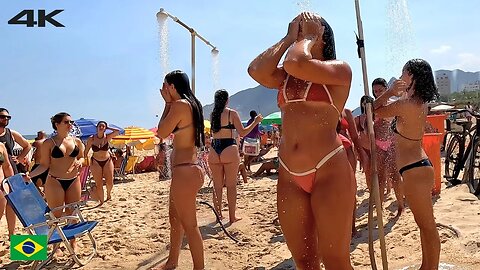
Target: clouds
x=441, y=50
x=467, y=62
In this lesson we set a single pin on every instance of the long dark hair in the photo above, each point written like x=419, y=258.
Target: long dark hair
x=329, y=39
x=221, y=98
x=180, y=80
x=422, y=80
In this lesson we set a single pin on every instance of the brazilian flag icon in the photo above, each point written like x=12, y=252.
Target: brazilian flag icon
x=28, y=247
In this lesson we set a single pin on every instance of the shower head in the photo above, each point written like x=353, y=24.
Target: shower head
x=215, y=50
x=162, y=15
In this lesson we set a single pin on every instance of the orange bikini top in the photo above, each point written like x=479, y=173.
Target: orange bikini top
x=297, y=90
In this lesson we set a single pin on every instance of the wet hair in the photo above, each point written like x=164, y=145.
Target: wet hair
x=422, y=80
x=378, y=81
x=57, y=119
x=253, y=114
x=4, y=110
x=181, y=82
x=329, y=40
x=220, y=102
x=102, y=122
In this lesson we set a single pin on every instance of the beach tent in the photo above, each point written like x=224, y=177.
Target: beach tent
x=273, y=118
x=88, y=127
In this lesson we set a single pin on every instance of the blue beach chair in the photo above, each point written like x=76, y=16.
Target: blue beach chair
x=38, y=219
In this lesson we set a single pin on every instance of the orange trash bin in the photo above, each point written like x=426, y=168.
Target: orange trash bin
x=438, y=122
x=431, y=145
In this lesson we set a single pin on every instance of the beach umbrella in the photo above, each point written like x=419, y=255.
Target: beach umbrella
x=207, y=126
x=273, y=118
x=88, y=127
x=375, y=190
x=442, y=107
x=133, y=134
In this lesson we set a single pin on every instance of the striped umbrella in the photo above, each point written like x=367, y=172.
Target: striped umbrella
x=133, y=134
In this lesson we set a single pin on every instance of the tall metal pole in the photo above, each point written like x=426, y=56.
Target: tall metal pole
x=193, y=62
x=194, y=34
x=374, y=174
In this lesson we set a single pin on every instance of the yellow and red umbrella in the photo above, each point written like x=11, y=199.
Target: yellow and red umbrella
x=134, y=134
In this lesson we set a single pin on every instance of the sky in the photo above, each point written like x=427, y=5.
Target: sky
x=106, y=62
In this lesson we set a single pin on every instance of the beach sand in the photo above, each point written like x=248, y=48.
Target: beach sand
x=134, y=231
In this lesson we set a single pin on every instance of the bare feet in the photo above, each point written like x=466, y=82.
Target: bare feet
x=234, y=220
x=165, y=266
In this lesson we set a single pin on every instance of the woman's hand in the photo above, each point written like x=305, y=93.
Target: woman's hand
x=293, y=29
x=311, y=26
x=165, y=93
x=258, y=118
x=399, y=88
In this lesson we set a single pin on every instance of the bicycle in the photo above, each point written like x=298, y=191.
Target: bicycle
x=458, y=157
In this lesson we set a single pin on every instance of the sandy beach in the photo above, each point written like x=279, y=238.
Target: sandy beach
x=134, y=232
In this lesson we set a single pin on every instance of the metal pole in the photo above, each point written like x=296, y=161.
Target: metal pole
x=194, y=34
x=193, y=62
x=374, y=174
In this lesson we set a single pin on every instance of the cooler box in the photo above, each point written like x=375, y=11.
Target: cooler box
x=251, y=147
x=431, y=145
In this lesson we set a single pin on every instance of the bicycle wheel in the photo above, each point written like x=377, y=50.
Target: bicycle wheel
x=474, y=177
x=453, y=156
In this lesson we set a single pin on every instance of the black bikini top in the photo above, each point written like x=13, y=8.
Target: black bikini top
x=393, y=127
x=230, y=124
x=57, y=152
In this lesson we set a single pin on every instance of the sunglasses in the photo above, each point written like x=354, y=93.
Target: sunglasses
x=8, y=117
x=71, y=122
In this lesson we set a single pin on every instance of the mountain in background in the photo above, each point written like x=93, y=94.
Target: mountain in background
x=260, y=99
x=264, y=100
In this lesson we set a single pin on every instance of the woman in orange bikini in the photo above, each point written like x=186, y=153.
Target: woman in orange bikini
x=417, y=86
x=313, y=88
x=183, y=116
x=102, y=163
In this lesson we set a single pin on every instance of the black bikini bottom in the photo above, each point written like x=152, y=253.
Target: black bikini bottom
x=101, y=162
x=421, y=163
x=220, y=144
x=65, y=183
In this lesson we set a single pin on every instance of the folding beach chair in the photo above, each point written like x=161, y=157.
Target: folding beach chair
x=119, y=173
x=130, y=167
x=85, y=180
x=38, y=219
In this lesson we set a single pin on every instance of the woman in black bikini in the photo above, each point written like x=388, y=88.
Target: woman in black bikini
x=183, y=116
x=417, y=86
x=225, y=157
x=102, y=164
x=62, y=155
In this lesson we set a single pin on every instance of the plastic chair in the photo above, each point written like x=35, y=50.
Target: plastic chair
x=38, y=219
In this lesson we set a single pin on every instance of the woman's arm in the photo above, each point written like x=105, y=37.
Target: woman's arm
x=264, y=68
x=398, y=88
x=170, y=118
x=300, y=64
x=242, y=131
x=115, y=133
x=87, y=148
x=397, y=108
x=352, y=129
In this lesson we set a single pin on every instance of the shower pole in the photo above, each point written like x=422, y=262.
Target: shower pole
x=374, y=177
x=163, y=13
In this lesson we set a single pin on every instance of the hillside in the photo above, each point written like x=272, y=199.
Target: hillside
x=260, y=99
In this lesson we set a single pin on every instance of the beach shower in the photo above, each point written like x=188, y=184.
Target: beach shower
x=162, y=17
